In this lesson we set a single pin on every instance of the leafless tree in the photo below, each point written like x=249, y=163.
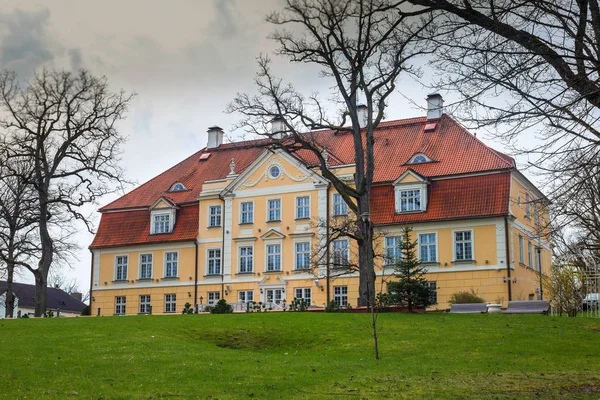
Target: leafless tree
x=523, y=66
x=58, y=280
x=65, y=126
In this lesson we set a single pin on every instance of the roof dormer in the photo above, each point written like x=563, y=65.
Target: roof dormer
x=162, y=216
x=178, y=187
x=419, y=158
x=410, y=191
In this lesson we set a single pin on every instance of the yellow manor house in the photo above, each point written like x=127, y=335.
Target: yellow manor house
x=236, y=221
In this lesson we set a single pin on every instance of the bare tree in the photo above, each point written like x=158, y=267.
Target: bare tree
x=65, y=126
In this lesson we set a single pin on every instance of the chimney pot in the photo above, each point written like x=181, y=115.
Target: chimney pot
x=278, y=127
x=362, y=112
x=215, y=137
x=435, y=106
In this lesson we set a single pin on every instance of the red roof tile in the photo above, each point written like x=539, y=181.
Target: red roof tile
x=133, y=227
x=456, y=198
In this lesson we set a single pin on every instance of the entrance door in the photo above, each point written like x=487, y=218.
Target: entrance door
x=274, y=296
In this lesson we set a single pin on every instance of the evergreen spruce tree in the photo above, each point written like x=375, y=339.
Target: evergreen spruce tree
x=411, y=288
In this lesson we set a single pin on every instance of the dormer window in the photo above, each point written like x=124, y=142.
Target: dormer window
x=161, y=223
x=419, y=158
x=410, y=192
x=178, y=187
x=162, y=216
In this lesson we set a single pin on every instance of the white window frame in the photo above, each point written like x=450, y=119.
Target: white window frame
x=162, y=212
x=413, y=158
x=140, y=262
x=403, y=187
x=216, y=296
x=240, y=246
x=267, y=245
x=529, y=254
x=342, y=204
x=307, y=207
x=274, y=291
x=341, y=298
x=303, y=292
x=170, y=303
x=435, y=243
x=245, y=296
x=209, y=258
x=269, y=200
x=120, y=305
x=527, y=205
x=434, y=284
x=219, y=215
x=521, y=249
x=309, y=252
x=454, y=245
x=387, y=259
x=166, y=262
x=536, y=215
x=538, y=258
x=117, y=267
x=251, y=212
x=145, y=307
x=333, y=253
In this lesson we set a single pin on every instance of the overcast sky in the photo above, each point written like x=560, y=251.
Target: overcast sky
x=185, y=60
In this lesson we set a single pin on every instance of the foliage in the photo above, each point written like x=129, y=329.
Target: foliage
x=299, y=305
x=383, y=300
x=222, y=307
x=566, y=289
x=187, y=309
x=86, y=310
x=411, y=288
x=467, y=297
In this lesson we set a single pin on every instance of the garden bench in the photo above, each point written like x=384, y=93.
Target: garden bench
x=528, y=307
x=469, y=308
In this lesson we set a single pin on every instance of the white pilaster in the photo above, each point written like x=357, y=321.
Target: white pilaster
x=322, y=193
x=227, y=244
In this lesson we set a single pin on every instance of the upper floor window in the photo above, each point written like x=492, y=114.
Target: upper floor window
x=214, y=262
x=274, y=172
x=521, y=250
x=162, y=223
x=339, y=205
x=527, y=205
x=538, y=260
x=302, y=207
x=246, y=212
x=419, y=158
x=171, y=264
x=341, y=253
x=410, y=200
x=529, y=254
x=463, y=240
x=274, y=210
x=121, y=268
x=177, y=187
x=214, y=216
x=393, y=249
x=274, y=257
x=145, y=266
x=303, y=255
x=427, y=247
x=536, y=215
x=246, y=260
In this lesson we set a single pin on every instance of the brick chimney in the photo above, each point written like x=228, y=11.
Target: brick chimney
x=435, y=106
x=77, y=296
x=215, y=137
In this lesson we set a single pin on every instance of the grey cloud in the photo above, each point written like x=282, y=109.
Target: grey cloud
x=226, y=23
x=75, y=59
x=24, y=43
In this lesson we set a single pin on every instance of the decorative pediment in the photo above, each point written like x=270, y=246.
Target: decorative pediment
x=163, y=202
x=272, y=234
x=410, y=176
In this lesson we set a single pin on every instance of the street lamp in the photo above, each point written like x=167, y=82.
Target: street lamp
x=201, y=298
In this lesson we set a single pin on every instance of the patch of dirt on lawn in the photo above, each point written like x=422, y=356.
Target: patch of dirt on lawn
x=584, y=389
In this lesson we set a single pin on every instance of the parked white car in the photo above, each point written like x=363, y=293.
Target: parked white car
x=591, y=301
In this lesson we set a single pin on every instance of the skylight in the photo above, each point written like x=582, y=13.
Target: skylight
x=204, y=156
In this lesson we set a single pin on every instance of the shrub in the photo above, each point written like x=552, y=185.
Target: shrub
x=222, y=308
x=332, y=307
x=465, y=298
x=86, y=311
x=187, y=309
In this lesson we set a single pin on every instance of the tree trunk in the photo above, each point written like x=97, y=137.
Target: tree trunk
x=10, y=296
x=41, y=274
x=41, y=292
x=366, y=286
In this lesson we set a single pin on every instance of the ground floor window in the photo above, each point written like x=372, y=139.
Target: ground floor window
x=213, y=297
x=340, y=295
x=274, y=295
x=145, y=307
x=303, y=294
x=170, y=303
x=245, y=296
x=433, y=287
x=120, y=305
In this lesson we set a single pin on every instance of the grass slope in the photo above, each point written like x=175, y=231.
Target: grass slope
x=300, y=355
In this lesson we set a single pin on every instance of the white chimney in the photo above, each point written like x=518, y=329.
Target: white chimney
x=362, y=112
x=215, y=137
x=435, y=106
x=278, y=128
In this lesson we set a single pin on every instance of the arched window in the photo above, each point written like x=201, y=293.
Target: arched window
x=178, y=187
x=419, y=158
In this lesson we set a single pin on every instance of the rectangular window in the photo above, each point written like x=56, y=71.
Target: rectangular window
x=162, y=223
x=171, y=264
x=214, y=261
x=274, y=296
x=538, y=256
x=214, y=213
x=302, y=207
x=303, y=294
x=245, y=296
x=170, y=303
x=145, y=307
x=410, y=200
x=120, y=305
x=340, y=295
x=303, y=255
x=145, y=266
x=121, y=268
x=433, y=287
x=521, y=250
x=463, y=240
x=527, y=205
x=213, y=297
x=536, y=216
x=247, y=212
x=274, y=210
x=341, y=253
x=529, y=254
x=427, y=247
x=246, y=261
x=339, y=205
x=393, y=249
x=273, y=257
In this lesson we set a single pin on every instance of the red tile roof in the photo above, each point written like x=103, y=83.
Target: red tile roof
x=456, y=198
x=133, y=227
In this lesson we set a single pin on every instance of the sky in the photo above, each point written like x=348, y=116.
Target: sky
x=184, y=59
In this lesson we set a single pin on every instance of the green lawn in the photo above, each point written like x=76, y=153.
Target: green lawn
x=300, y=355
